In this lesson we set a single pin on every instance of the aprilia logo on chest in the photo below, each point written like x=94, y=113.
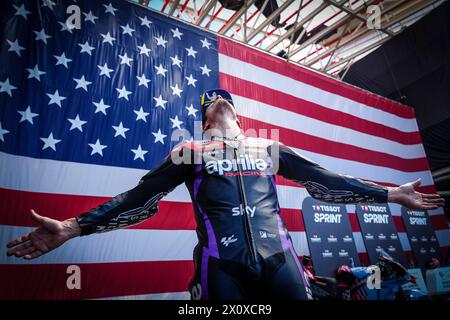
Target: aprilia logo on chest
x=246, y=162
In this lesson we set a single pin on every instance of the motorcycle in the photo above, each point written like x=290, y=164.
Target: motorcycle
x=356, y=283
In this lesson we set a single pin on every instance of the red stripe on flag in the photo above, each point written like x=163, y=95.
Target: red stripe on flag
x=364, y=258
x=243, y=53
x=98, y=280
x=171, y=215
x=293, y=219
x=17, y=204
x=399, y=223
x=335, y=149
x=410, y=257
x=285, y=101
x=354, y=223
x=439, y=222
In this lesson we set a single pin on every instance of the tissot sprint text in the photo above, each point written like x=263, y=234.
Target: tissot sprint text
x=417, y=218
x=328, y=214
x=376, y=214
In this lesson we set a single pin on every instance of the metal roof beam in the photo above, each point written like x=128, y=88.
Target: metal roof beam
x=269, y=19
x=354, y=36
x=335, y=25
x=405, y=16
x=355, y=15
x=358, y=53
x=173, y=7
x=205, y=12
x=310, y=16
x=236, y=16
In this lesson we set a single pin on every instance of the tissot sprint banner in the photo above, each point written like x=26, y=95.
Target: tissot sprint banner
x=421, y=236
x=378, y=231
x=330, y=237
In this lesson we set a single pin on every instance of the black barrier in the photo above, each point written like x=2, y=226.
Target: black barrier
x=378, y=231
x=422, y=238
x=330, y=237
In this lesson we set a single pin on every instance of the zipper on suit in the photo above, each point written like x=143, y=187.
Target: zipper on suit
x=247, y=225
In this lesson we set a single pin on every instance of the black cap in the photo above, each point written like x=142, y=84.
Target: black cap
x=208, y=97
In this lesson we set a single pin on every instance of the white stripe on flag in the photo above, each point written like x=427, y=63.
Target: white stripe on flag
x=403, y=237
x=359, y=242
x=276, y=81
x=443, y=237
x=290, y=120
x=38, y=175
x=60, y=177
x=396, y=209
x=117, y=246
x=121, y=246
x=300, y=243
x=366, y=171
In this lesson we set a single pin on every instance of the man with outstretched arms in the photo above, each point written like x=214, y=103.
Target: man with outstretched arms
x=244, y=250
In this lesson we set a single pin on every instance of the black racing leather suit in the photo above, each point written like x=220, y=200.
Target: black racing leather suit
x=238, y=256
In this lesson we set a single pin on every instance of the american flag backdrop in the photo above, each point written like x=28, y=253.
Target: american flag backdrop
x=84, y=113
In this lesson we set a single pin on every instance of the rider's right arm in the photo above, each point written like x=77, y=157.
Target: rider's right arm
x=139, y=203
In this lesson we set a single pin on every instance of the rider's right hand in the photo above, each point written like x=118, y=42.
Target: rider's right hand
x=49, y=235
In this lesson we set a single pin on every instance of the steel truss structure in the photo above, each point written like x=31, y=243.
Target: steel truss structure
x=325, y=35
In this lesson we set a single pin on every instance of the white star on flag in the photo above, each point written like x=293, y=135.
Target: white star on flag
x=191, y=80
x=144, y=50
x=125, y=59
x=77, y=123
x=35, y=73
x=101, y=107
x=89, y=17
x=176, y=33
x=176, y=91
x=7, y=87
x=110, y=9
x=107, y=38
x=160, y=102
x=143, y=81
x=86, y=48
x=27, y=115
x=145, y=22
x=160, y=70
x=159, y=137
x=120, y=130
x=176, y=61
x=205, y=70
x=2, y=132
x=21, y=11
x=82, y=83
x=141, y=115
x=191, y=110
x=127, y=30
x=176, y=123
x=191, y=51
x=14, y=46
x=97, y=147
x=50, y=142
x=41, y=35
x=62, y=60
x=48, y=3
x=160, y=41
x=56, y=98
x=104, y=70
x=205, y=43
x=66, y=26
x=139, y=153
x=123, y=93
